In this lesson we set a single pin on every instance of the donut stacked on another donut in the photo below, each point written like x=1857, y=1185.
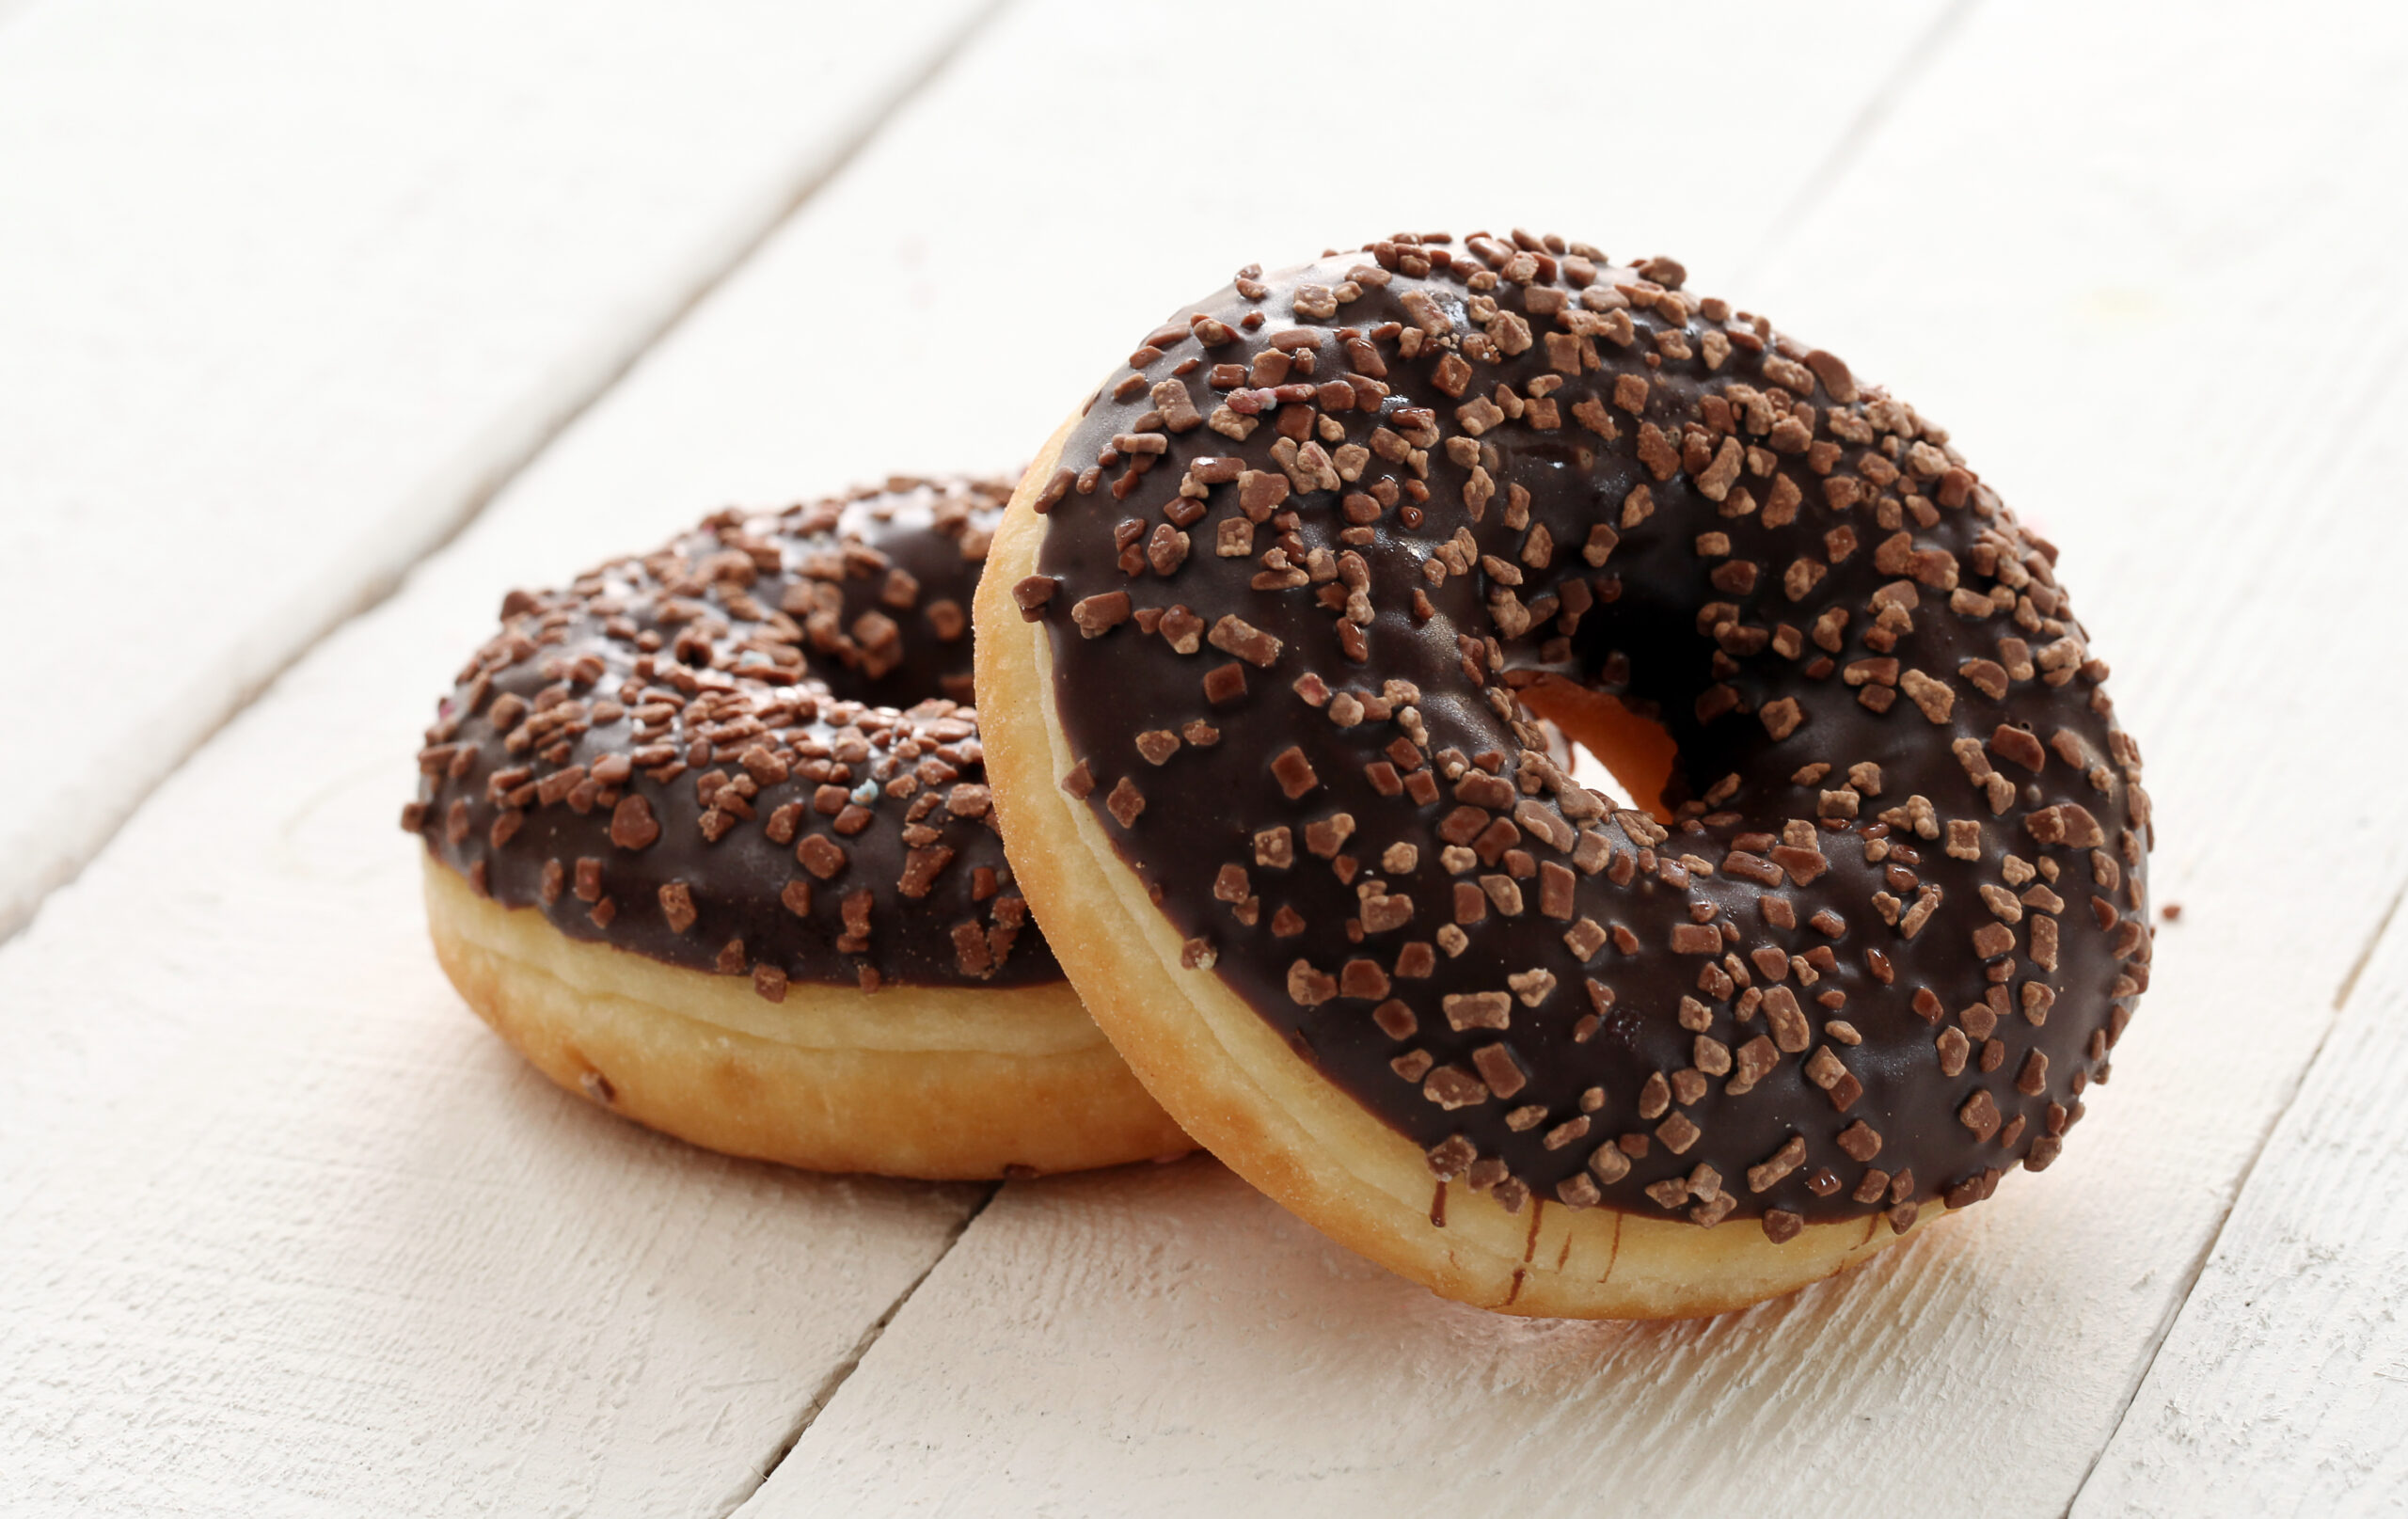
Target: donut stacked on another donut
x=748, y=762
x=1265, y=634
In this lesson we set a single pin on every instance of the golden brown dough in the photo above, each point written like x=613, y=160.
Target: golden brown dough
x=937, y=1083
x=1230, y=1081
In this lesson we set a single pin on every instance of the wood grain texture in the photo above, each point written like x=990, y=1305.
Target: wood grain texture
x=1170, y=1341
x=2282, y=1387
x=288, y=1232
x=281, y=1231
x=292, y=286
x=1016, y=217
x=2084, y=298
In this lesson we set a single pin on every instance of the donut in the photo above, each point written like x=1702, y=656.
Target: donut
x=1262, y=646
x=708, y=839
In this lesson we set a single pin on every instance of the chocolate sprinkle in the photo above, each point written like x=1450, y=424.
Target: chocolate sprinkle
x=768, y=701
x=1515, y=460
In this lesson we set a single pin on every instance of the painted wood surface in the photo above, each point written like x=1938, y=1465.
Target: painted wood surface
x=292, y=287
x=2063, y=251
x=964, y=232
x=291, y=1233
x=2283, y=1388
x=284, y=1231
x=2167, y=165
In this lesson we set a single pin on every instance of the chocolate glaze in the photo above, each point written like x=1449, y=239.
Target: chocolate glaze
x=1527, y=387
x=790, y=640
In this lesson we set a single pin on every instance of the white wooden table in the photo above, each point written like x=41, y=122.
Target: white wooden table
x=320, y=327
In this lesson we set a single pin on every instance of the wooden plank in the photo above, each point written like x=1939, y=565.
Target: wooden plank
x=286, y=1231
x=1028, y=174
x=292, y=286
x=283, y=1231
x=2283, y=1387
x=2085, y=297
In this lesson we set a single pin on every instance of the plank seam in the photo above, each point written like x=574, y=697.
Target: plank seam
x=841, y=1372
x=2199, y=1263
x=1878, y=104
x=512, y=462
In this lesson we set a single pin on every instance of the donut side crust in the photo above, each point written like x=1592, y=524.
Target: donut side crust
x=1235, y=1086
x=935, y=1083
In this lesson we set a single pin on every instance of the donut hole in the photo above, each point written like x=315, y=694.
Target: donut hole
x=1617, y=750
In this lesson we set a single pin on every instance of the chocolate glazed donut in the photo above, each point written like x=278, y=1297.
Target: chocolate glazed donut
x=1300, y=577
x=708, y=839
